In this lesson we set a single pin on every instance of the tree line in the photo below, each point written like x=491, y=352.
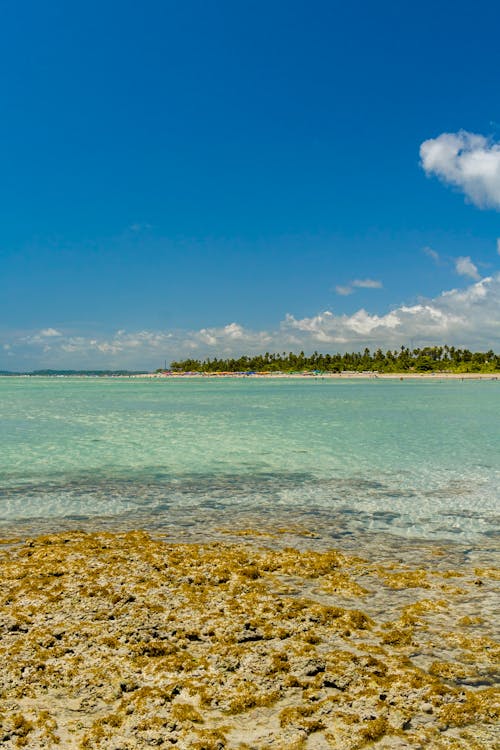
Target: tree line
x=426, y=359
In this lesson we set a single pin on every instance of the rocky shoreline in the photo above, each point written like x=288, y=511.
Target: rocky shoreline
x=122, y=641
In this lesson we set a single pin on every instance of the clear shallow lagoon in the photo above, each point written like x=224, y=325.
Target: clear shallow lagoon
x=419, y=459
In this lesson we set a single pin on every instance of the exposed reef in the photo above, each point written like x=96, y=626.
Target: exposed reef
x=121, y=641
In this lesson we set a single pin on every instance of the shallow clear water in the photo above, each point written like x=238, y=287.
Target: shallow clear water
x=412, y=458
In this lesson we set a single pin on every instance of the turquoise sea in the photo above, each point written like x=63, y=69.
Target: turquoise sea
x=415, y=459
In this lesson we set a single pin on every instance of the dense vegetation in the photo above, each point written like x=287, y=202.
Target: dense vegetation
x=428, y=359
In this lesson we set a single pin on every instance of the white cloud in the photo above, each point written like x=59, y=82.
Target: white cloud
x=465, y=267
x=432, y=254
x=467, y=161
x=468, y=317
x=229, y=338
x=48, y=332
x=233, y=331
x=367, y=284
x=344, y=291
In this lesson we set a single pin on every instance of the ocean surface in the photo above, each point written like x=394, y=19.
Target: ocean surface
x=414, y=459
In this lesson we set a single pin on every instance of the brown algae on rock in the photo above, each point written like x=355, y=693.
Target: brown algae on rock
x=120, y=640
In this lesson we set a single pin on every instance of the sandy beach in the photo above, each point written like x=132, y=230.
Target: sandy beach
x=329, y=375
x=124, y=641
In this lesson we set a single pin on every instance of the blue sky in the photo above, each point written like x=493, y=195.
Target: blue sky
x=225, y=177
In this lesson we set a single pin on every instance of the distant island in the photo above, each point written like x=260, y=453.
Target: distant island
x=87, y=373
x=427, y=359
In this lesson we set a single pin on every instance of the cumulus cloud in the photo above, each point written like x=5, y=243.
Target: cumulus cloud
x=467, y=317
x=467, y=161
x=48, y=332
x=465, y=267
x=228, y=339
